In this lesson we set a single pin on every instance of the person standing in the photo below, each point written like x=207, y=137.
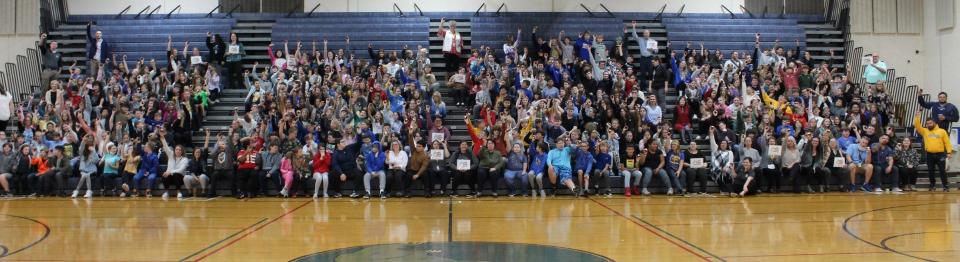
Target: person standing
x=875, y=72
x=942, y=112
x=647, y=50
x=52, y=62
x=234, y=59
x=96, y=50
x=936, y=142
x=452, y=44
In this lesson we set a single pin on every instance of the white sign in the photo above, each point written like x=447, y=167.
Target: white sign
x=775, y=150
x=697, y=163
x=436, y=137
x=436, y=154
x=196, y=60
x=234, y=49
x=652, y=44
x=867, y=60
x=463, y=164
x=839, y=162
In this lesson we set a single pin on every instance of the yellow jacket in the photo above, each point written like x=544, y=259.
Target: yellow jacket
x=774, y=104
x=934, y=141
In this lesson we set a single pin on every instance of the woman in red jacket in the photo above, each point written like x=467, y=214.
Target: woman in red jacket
x=682, y=120
x=321, y=172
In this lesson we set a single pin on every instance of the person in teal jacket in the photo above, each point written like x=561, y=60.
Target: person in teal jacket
x=558, y=164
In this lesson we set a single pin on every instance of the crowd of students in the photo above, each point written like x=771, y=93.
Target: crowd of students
x=565, y=114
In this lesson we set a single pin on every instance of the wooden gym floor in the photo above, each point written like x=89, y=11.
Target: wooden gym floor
x=785, y=227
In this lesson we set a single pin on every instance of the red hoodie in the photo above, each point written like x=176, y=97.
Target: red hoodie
x=321, y=165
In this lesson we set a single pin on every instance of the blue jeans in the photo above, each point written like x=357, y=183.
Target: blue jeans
x=151, y=180
x=631, y=174
x=511, y=178
x=648, y=175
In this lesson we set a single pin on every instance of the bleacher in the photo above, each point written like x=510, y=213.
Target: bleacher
x=493, y=31
x=730, y=35
x=148, y=38
x=389, y=33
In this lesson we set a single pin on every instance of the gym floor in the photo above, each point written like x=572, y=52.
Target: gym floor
x=785, y=227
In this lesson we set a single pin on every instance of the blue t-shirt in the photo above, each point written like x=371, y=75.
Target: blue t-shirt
x=560, y=157
x=857, y=155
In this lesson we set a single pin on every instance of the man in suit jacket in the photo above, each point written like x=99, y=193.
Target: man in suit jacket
x=96, y=50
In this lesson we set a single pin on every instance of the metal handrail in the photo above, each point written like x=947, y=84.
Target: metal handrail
x=124, y=11
x=171, y=12
x=477, y=13
x=608, y=10
x=679, y=13
x=500, y=8
x=588, y=10
x=397, y=9
x=746, y=10
x=141, y=12
x=153, y=11
x=728, y=11
x=214, y=10
x=660, y=13
x=294, y=9
x=230, y=14
x=416, y=7
x=314, y=9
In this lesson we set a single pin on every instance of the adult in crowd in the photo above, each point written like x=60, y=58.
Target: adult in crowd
x=936, y=143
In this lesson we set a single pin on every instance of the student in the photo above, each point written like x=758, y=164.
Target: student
x=836, y=164
x=695, y=174
x=884, y=167
x=438, y=172
x=21, y=169
x=374, y=163
x=344, y=167
x=177, y=164
x=396, y=162
x=247, y=171
x=463, y=174
x=722, y=162
x=6, y=162
x=517, y=167
x=859, y=159
x=744, y=180
x=321, y=173
x=630, y=163
x=417, y=168
x=148, y=169
x=602, y=170
x=88, y=167
x=287, y=170
x=558, y=164
x=224, y=164
x=268, y=165
x=791, y=165
x=489, y=167
x=584, y=163
x=538, y=165
x=131, y=162
x=907, y=160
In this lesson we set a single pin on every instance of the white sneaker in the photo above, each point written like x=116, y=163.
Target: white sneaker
x=314, y=196
x=533, y=193
x=325, y=195
x=878, y=191
x=75, y=194
x=123, y=194
x=897, y=191
x=283, y=192
x=646, y=192
x=543, y=193
x=89, y=194
x=165, y=195
x=179, y=195
x=670, y=192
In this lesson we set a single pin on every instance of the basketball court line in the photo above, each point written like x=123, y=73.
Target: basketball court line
x=235, y=240
x=46, y=234
x=678, y=238
x=221, y=240
x=704, y=258
x=847, y=230
x=11, y=198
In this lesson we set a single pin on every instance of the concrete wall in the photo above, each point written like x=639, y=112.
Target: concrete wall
x=942, y=54
x=86, y=7
x=96, y=7
x=876, y=28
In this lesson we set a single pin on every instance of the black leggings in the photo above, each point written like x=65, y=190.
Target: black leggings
x=697, y=175
x=463, y=177
x=441, y=177
x=236, y=75
x=247, y=181
x=908, y=176
x=770, y=178
x=936, y=162
x=487, y=177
